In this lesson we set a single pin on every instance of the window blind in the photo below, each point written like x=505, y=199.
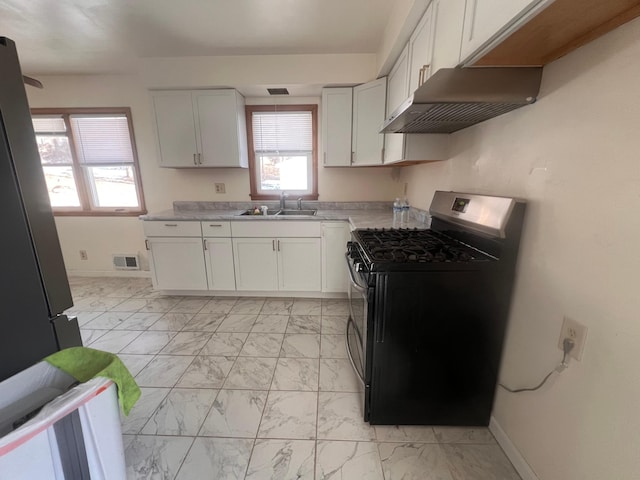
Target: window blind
x=42, y=124
x=282, y=132
x=102, y=139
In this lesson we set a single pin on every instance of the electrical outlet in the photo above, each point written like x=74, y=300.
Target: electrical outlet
x=83, y=255
x=220, y=188
x=575, y=331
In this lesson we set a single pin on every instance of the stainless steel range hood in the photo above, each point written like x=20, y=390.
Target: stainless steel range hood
x=456, y=98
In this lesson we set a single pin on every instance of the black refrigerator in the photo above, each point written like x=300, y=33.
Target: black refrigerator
x=34, y=290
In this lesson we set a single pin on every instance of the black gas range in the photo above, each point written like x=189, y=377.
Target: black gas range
x=429, y=310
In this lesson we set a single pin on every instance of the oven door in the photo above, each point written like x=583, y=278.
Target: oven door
x=356, y=335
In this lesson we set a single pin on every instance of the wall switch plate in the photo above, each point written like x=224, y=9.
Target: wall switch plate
x=83, y=255
x=220, y=188
x=575, y=331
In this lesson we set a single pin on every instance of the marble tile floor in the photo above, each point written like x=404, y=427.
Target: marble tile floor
x=258, y=388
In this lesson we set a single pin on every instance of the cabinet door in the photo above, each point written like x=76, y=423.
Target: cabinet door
x=397, y=92
x=421, y=50
x=448, y=21
x=337, y=105
x=217, y=128
x=369, y=107
x=177, y=263
x=218, y=255
x=299, y=264
x=334, y=245
x=255, y=262
x=175, y=128
x=485, y=19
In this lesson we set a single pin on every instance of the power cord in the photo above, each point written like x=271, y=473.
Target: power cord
x=567, y=346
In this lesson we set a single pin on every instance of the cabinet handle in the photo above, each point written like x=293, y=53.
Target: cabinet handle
x=421, y=76
x=170, y=224
x=273, y=245
x=200, y=159
x=195, y=162
x=146, y=245
x=424, y=72
x=353, y=156
x=278, y=245
x=204, y=243
x=215, y=225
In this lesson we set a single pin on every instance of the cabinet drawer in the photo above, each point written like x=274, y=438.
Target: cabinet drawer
x=171, y=228
x=216, y=229
x=274, y=228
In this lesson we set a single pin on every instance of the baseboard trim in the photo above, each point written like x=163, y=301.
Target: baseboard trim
x=110, y=273
x=511, y=451
x=257, y=293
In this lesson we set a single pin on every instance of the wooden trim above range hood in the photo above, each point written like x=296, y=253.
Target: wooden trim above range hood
x=562, y=27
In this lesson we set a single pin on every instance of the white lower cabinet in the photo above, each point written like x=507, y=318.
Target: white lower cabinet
x=177, y=263
x=334, y=245
x=299, y=264
x=256, y=264
x=267, y=256
x=271, y=264
x=218, y=256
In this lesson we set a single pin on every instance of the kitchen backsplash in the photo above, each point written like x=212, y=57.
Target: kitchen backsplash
x=184, y=206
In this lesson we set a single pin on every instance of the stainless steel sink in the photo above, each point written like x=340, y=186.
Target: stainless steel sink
x=250, y=213
x=305, y=213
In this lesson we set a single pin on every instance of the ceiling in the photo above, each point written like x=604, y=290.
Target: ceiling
x=99, y=36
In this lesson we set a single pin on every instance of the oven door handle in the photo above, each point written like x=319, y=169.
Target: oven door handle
x=355, y=283
x=353, y=363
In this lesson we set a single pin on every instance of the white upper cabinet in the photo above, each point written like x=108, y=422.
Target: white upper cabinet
x=369, y=108
x=487, y=21
x=412, y=147
x=337, y=104
x=200, y=128
x=397, y=92
x=421, y=50
x=448, y=22
x=175, y=128
x=398, y=81
x=222, y=128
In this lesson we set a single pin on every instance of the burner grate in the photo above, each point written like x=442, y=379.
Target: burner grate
x=413, y=246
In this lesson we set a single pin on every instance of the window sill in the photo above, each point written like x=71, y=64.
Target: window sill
x=98, y=214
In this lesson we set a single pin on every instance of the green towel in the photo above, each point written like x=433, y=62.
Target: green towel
x=83, y=364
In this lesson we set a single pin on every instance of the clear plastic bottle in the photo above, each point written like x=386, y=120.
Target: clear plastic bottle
x=397, y=213
x=404, y=218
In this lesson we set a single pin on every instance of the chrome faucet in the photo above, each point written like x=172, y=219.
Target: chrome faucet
x=283, y=197
x=299, y=203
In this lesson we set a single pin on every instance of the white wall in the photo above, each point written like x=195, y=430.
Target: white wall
x=574, y=155
x=104, y=237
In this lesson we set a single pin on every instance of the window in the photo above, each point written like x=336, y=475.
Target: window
x=89, y=161
x=283, y=150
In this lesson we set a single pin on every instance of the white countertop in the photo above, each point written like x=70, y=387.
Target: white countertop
x=358, y=218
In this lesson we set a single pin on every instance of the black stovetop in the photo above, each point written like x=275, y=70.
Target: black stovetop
x=413, y=246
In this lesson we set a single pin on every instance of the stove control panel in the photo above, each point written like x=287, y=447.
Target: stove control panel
x=460, y=204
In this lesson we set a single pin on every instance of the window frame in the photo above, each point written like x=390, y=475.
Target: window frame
x=86, y=209
x=253, y=170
